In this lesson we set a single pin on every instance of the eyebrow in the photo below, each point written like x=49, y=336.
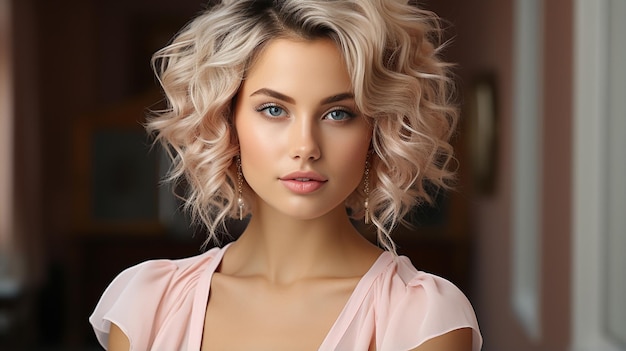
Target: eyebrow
x=288, y=99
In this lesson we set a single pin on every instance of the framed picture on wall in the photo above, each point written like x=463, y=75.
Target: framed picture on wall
x=116, y=171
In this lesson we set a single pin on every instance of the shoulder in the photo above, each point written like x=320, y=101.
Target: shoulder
x=408, y=287
x=157, y=277
x=419, y=306
x=156, y=271
x=148, y=291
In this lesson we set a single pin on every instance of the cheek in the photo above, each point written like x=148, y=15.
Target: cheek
x=246, y=134
x=257, y=145
x=351, y=154
x=251, y=141
x=353, y=145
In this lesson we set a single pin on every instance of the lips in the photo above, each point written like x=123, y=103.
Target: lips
x=304, y=176
x=303, y=182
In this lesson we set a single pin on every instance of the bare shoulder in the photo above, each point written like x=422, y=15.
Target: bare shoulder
x=456, y=340
x=117, y=339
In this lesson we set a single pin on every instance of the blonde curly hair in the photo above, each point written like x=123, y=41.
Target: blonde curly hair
x=391, y=50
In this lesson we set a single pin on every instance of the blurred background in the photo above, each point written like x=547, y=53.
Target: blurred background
x=535, y=234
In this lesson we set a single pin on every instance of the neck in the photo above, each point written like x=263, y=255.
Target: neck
x=283, y=249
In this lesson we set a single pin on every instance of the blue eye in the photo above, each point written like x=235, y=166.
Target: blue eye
x=339, y=115
x=271, y=110
x=274, y=111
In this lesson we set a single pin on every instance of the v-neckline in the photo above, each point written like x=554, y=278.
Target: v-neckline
x=337, y=330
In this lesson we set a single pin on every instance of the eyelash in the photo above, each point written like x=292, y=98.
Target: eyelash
x=350, y=114
x=264, y=107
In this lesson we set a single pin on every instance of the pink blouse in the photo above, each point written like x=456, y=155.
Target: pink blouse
x=160, y=305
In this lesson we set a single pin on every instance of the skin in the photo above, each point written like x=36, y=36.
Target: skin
x=297, y=247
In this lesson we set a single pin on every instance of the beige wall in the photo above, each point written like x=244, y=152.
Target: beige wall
x=483, y=31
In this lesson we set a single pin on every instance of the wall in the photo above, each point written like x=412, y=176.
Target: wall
x=6, y=129
x=483, y=42
x=84, y=66
x=60, y=48
x=557, y=178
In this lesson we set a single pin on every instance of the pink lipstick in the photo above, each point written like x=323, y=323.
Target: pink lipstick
x=303, y=182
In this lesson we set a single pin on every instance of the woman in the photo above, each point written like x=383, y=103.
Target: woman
x=298, y=114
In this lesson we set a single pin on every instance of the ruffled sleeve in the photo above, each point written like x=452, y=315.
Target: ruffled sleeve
x=423, y=306
x=150, y=302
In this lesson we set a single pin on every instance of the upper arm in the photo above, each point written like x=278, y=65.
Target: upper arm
x=456, y=340
x=118, y=341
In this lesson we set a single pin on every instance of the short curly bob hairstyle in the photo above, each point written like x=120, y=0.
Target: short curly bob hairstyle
x=391, y=50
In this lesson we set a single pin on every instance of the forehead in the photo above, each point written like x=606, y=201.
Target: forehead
x=299, y=65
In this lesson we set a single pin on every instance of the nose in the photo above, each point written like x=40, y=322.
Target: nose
x=304, y=140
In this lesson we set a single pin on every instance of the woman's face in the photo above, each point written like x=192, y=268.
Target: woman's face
x=303, y=142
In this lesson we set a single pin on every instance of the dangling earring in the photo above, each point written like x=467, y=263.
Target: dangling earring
x=239, y=188
x=366, y=190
